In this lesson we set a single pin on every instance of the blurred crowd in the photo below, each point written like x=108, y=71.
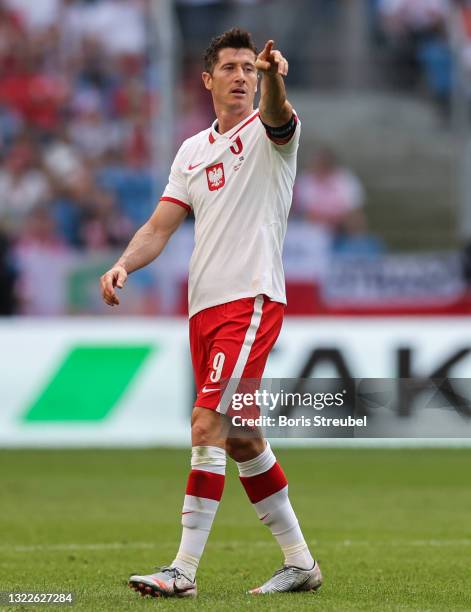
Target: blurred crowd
x=417, y=33
x=75, y=109
x=78, y=94
x=331, y=199
x=422, y=37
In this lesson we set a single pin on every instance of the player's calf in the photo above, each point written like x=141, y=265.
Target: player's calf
x=203, y=493
x=267, y=488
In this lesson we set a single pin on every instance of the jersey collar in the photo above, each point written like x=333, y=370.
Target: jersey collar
x=215, y=135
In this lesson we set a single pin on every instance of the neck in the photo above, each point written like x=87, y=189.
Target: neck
x=227, y=119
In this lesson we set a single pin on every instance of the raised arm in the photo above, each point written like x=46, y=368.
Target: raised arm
x=147, y=244
x=275, y=110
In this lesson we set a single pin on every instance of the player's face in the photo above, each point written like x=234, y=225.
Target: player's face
x=233, y=82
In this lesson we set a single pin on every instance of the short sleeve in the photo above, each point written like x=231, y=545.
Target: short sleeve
x=176, y=190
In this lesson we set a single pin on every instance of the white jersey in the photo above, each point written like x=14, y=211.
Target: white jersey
x=239, y=186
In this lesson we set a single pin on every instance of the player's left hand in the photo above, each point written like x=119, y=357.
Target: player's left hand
x=270, y=61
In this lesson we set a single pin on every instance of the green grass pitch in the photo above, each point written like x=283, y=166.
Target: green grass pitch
x=391, y=529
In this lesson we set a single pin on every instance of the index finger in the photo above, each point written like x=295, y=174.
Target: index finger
x=268, y=47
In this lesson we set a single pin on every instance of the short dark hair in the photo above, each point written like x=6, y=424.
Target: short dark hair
x=234, y=39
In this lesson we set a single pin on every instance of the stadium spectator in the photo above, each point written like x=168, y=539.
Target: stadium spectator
x=23, y=185
x=62, y=160
x=92, y=68
x=11, y=126
x=200, y=19
x=103, y=226
x=90, y=131
x=38, y=15
x=124, y=18
x=132, y=186
x=43, y=263
x=417, y=31
x=416, y=17
x=30, y=88
x=11, y=35
x=87, y=215
x=194, y=115
x=463, y=38
x=7, y=278
x=331, y=198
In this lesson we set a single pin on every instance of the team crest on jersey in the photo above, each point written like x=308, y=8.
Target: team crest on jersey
x=215, y=176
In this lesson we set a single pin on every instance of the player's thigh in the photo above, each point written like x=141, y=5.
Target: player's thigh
x=257, y=345
x=235, y=339
x=199, y=347
x=253, y=326
x=222, y=337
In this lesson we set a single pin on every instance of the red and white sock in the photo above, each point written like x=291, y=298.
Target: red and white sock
x=203, y=494
x=267, y=488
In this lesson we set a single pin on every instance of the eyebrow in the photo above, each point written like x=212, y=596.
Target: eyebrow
x=233, y=63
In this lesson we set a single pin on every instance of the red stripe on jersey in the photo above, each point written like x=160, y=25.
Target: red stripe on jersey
x=246, y=123
x=205, y=484
x=212, y=140
x=280, y=141
x=175, y=201
x=263, y=485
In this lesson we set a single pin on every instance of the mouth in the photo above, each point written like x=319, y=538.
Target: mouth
x=238, y=91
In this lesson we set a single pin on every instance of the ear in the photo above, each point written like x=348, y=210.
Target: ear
x=207, y=80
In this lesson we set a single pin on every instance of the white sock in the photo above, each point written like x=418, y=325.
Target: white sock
x=203, y=493
x=267, y=488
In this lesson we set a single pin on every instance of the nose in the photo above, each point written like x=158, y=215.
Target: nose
x=240, y=76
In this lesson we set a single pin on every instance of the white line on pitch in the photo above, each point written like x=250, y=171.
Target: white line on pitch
x=229, y=544
x=65, y=547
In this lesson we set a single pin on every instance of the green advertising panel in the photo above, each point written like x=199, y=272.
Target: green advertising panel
x=89, y=383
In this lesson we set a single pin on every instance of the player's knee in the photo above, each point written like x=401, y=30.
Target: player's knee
x=200, y=434
x=205, y=428
x=243, y=449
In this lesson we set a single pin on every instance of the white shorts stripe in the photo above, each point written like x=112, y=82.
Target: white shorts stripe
x=243, y=357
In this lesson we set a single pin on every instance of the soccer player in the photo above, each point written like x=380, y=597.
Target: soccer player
x=237, y=178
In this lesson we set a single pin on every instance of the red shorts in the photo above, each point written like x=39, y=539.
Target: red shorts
x=232, y=341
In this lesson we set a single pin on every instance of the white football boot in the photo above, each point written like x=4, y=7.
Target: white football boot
x=290, y=578
x=167, y=582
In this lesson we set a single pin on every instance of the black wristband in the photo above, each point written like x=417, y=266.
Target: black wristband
x=282, y=132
